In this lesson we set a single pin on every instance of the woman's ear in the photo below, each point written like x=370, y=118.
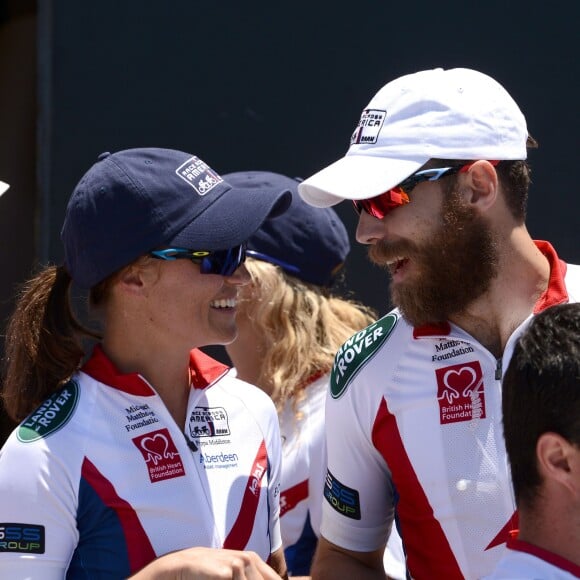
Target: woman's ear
x=134, y=279
x=483, y=184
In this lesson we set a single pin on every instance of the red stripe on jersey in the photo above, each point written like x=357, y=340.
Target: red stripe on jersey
x=242, y=529
x=506, y=532
x=293, y=496
x=429, y=554
x=139, y=549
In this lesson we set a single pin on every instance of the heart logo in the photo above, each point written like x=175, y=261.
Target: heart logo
x=156, y=448
x=460, y=380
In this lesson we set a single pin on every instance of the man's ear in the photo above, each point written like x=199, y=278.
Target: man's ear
x=559, y=461
x=482, y=180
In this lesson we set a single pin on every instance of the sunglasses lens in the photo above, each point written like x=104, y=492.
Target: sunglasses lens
x=381, y=205
x=224, y=262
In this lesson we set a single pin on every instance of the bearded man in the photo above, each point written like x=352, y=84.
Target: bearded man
x=437, y=171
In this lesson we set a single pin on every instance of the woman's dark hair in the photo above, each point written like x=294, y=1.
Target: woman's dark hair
x=43, y=342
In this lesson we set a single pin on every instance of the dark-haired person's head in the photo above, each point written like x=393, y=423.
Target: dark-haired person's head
x=541, y=401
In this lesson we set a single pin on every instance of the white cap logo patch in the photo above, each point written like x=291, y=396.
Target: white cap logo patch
x=367, y=130
x=199, y=175
x=3, y=187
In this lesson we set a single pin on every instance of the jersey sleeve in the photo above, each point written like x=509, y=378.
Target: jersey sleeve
x=317, y=460
x=358, y=506
x=261, y=407
x=38, y=531
x=274, y=447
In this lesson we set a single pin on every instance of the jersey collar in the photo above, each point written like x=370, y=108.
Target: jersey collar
x=203, y=370
x=550, y=557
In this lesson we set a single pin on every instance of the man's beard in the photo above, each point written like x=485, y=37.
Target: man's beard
x=455, y=266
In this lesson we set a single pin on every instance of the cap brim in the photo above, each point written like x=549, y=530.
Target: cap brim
x=356, y=177
x=232, y=218
x=3, y=187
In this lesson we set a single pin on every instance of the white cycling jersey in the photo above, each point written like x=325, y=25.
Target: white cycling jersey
x=303, y=470
x=414, y=422
x=524, y=561
x=303, y=476
x=100, y=480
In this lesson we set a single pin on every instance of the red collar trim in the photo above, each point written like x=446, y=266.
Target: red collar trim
x=442, y=329
x=100, y=368
x=556, y=291
x=203, y=370
x=550, y=557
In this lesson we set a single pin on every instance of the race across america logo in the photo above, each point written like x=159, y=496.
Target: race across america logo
x=369, y=126
x=199, y=175
x=209, y=422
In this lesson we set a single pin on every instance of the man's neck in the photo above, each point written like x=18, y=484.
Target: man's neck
x=557, y=532
x=523, y=276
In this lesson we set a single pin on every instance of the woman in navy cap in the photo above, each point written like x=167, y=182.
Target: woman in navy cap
x=147, y=457
x=292, y=321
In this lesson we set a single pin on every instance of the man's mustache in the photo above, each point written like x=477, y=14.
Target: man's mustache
x=383, y=252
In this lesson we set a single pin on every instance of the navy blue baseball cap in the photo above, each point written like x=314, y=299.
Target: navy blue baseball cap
x=307, y=242
x=134, y=201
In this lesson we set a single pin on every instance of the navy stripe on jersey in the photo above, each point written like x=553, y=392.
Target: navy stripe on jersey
x=109, y=529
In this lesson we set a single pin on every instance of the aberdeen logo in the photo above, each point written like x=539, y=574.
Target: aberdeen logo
x=460, y=393
x=356, y=351
x=52, y=415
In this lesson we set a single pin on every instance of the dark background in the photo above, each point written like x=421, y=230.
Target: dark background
x=255, y=85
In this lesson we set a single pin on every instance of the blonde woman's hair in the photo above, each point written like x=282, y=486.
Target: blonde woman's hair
x=303, y=325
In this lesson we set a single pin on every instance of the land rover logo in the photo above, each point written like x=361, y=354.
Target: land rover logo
x=354, y=353
x=53, y=414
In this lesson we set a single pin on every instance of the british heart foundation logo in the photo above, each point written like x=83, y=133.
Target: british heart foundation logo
x=460, y=393
x=160, y=454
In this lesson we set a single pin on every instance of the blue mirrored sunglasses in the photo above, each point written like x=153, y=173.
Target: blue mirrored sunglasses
x=222, y=262
x=266, y=258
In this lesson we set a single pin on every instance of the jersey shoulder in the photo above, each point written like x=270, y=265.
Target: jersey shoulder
x=52, y=415
x=360, y=349
x=256, y=401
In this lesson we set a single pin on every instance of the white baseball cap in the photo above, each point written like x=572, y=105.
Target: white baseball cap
x=447, y=114
x=3, y=187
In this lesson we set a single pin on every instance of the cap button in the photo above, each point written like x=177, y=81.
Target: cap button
x=103, y=156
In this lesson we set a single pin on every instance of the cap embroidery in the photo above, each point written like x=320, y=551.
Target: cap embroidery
x=369, y=126
x=199, y=175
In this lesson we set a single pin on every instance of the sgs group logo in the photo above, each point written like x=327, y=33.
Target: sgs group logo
x=343, y=499
x=25, y=538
